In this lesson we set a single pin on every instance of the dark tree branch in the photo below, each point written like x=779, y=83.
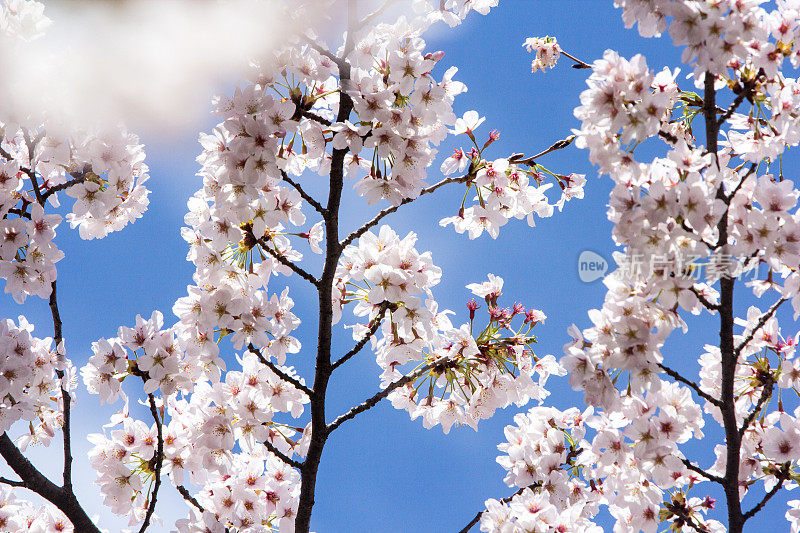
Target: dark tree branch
x=376, y=323
x=694, y=468
x=333, y=251
x=728, y=355
x=477, y=517
x=745, y=92
x=11, y=482
x=280, y=373
x=694, y=386
x=782, y=475
x=750, y=171
x=76, y=180
x=313, y=116
x=285, y=262
x=35, y=481
x=389, y=210
x=19, y=213
x=763, y=320
x=66, y=397
x=191, y=499
x=158, y=458
x=282, y=456
x=517, y=159
x=703, y=300
x=373, y=401
x=766, y=394
x=307, y=197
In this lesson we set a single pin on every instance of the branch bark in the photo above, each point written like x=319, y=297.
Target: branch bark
x=285, y=262
x=35, y=481
x=280, y=373
x=728, y=353
x=694, y=386
x=373, y=401
x=376, y=323
x=158, y=459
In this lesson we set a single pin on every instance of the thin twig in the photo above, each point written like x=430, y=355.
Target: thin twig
x=517, y=159
x=694, y=386
x=159, y=458
x=280, y=373
x=703, y=300
x=763, y=320
x=767, y=497
x=191, y=499
x=578, y=62
x=285, y=262
x=313, y=116
x=376, y=323
x=373, y=401
x=389, y=210
x=307, y=197
x=282, y=456
x=12, y=482
x=746, y=92
x=750, y=171
x=766, y=394
x=76, y=180
x=507, y=499
x=694, y=468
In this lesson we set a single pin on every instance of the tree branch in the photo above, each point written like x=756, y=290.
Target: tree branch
x=76, y=180
x=376, y=323
x=783, y=474
x=763, y=320
x=66, y=398
x=11, y=482
x=282, y=456
x=694, y=468
x=191, y=499
x=694, y=386
x=373, y=401
x=38, y=483
x=703, y=300
x=307, y=197
x=507, y=499
x=389, y=210
x=285, y=262
x=517, y=159
x=315, y=117
x=278, y=372
x=746, y=92
x=158, y=458
x=766, y=394
x=750, y=171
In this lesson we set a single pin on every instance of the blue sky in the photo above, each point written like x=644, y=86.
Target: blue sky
x=382, y=471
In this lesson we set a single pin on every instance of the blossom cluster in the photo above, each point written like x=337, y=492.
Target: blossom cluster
x=30, y=387
x=104, y=173
x=466, y=378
